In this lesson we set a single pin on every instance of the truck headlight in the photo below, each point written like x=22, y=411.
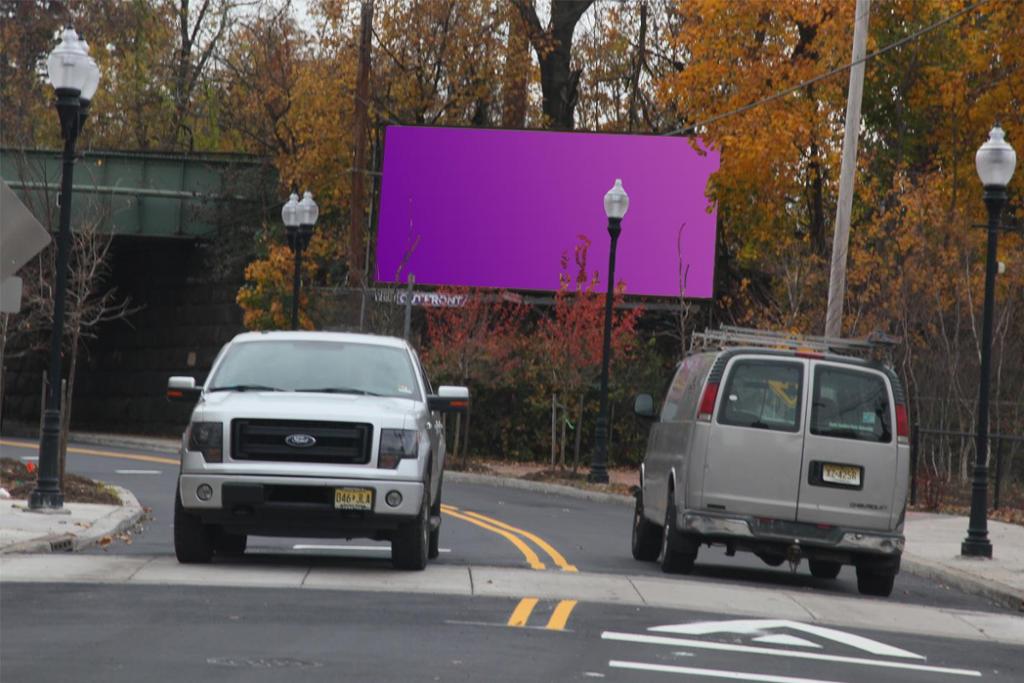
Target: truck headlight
x=208, y=439
x=396, y=445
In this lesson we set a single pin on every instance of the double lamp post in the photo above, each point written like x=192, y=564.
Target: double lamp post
x=299, y=219
x=75, y=77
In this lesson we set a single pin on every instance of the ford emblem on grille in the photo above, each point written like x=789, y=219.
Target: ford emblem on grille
x=300, y=440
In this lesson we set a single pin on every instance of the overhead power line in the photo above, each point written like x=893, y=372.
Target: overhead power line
x=829, y=74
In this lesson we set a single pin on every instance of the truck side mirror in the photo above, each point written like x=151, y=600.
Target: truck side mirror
x=183, y=389
x=449, y=399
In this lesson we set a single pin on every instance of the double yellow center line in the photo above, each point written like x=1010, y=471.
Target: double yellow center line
x=515, y=536
x=559, y=617
x=519, y=537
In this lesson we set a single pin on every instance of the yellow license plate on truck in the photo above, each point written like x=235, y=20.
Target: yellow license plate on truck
x=353, y=499
x=847, y=475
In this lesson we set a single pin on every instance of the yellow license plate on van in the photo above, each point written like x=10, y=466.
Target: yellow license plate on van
x=353, y=499
x=846, y=475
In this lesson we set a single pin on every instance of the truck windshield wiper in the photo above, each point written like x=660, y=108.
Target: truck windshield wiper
x=339, y=390
x=245, y=387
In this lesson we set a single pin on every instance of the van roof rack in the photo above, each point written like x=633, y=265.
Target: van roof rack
x=730, y=335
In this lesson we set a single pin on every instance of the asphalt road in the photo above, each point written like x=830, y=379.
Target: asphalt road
x=592, y=536
x=111, y=632
x=68, y=632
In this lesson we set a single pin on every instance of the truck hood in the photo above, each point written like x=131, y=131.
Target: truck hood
x=288, y=405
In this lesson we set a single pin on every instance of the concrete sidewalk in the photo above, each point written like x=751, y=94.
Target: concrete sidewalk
x=76, y=526
x=932, y=551
x=493, y=582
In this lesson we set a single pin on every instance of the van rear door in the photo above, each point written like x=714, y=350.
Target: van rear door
x=756, y=439
x=850, y=451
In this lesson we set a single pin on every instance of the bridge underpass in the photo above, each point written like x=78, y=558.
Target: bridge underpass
x=182, y=229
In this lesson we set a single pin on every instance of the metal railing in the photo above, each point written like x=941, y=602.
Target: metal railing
x=946, y=445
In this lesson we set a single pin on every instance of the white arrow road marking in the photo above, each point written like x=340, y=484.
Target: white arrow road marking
x=139, y=471
x=763, y=626
x=361, y=548
x=774, y=652
x=783, y=639
x=714, y=673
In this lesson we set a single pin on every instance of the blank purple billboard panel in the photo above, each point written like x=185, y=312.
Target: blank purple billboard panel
x=498, y=208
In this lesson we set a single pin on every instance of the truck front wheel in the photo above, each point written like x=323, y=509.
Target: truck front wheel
x=193, y=540
x=410, y=546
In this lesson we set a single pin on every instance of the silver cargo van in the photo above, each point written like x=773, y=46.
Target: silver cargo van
x=775, y=445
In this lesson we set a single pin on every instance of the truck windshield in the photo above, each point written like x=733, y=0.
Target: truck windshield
x=850, y=404
x=318, y=367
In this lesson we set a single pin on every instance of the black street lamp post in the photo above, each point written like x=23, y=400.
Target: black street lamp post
x=995, y=161
x=75, y=77
x=299, y=218
x=616, y=202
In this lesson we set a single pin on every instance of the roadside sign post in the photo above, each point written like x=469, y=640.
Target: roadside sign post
x=21, y=238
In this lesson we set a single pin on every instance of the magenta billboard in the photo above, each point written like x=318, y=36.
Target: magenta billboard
x=498, y=208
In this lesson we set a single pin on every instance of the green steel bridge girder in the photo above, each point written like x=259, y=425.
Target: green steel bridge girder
x=150, y=194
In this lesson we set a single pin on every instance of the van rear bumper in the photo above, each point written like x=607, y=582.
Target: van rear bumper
x=725, y=528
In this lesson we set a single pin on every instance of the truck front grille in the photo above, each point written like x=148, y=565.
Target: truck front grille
x=346, y=443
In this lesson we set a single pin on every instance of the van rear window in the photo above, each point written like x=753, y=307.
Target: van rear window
x=763, y=395
x=849, y=404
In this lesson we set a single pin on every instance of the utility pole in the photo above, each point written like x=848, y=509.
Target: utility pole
x=359, y=128
x=841, y=238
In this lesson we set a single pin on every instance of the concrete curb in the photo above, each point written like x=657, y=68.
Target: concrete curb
x=116, y=441
x=114, y=522
x=964, y=582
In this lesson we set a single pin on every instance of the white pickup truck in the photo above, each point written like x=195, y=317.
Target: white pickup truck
x=312, y=434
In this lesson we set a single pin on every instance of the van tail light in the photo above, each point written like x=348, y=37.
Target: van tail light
x=902, y=424
x=707, y=402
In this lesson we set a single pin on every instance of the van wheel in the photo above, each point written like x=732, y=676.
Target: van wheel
x=823, y=569
x=646, y=535
x=678, y=552
x=877, y=583
x=230, y=545
x=411, y=543
x=193, y=540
